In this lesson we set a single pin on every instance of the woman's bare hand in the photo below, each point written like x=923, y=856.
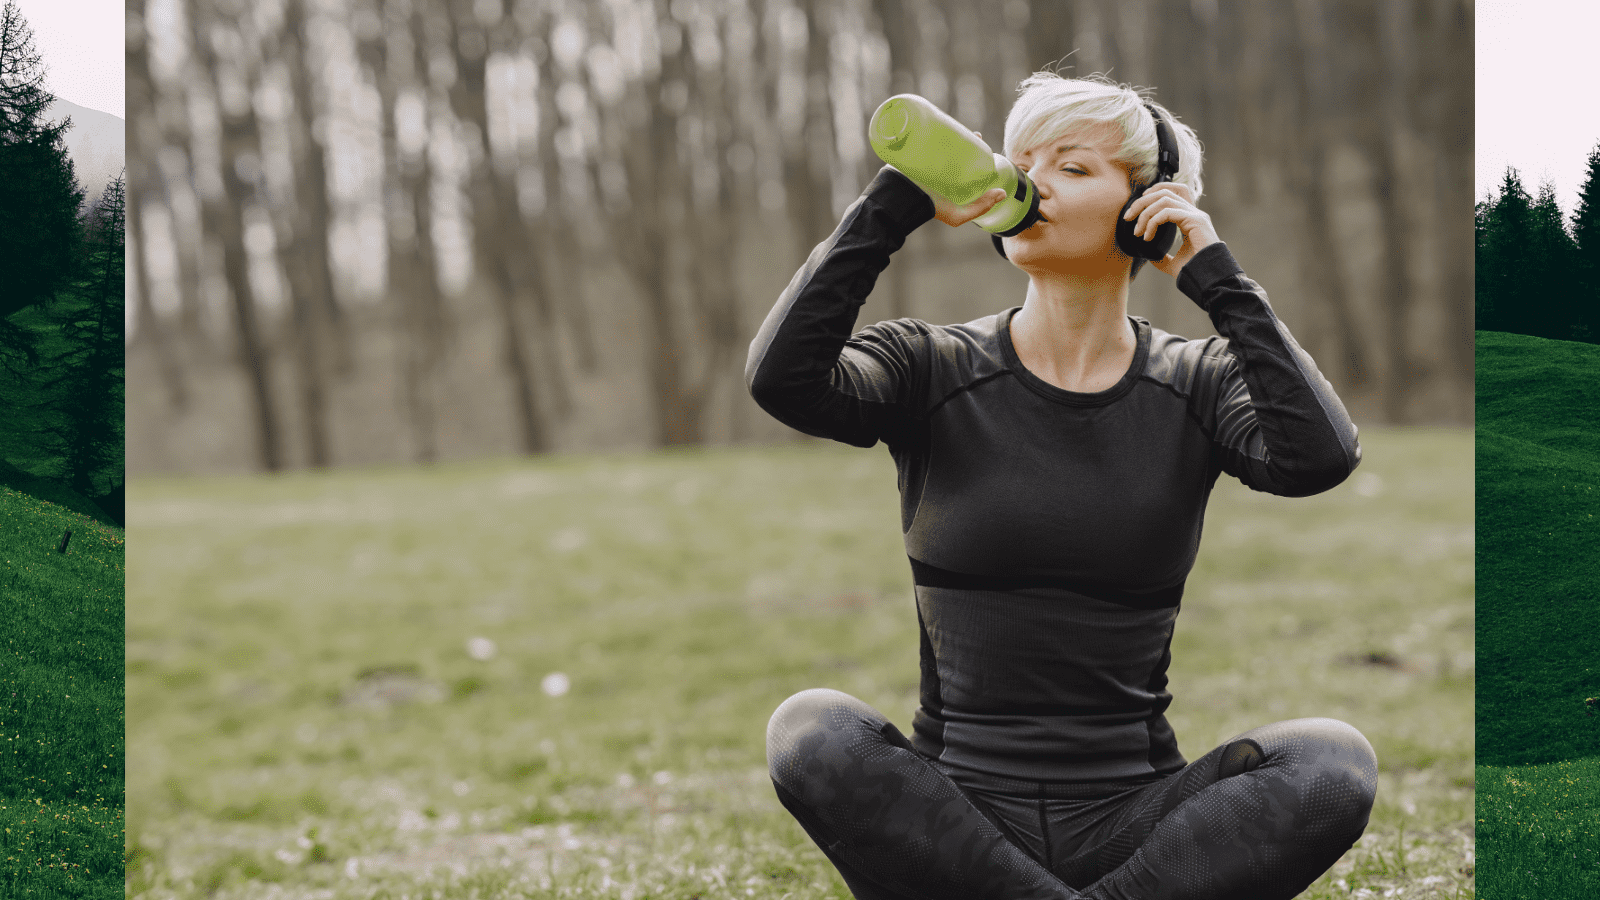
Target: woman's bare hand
x=955, y=216
x=1172, y=202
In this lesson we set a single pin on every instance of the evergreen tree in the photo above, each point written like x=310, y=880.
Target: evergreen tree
x=1551, y=308
x=39, y=193
x=85, y=379
x=1586, y=252
x=1509, y=272
x=1484, y=312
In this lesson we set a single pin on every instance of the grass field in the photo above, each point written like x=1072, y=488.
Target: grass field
x=1538, y=515
x=551, y=678
x=61, y=700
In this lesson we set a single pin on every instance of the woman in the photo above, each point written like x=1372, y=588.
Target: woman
x=1055, y=462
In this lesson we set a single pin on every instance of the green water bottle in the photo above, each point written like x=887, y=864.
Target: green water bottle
x=943, y=157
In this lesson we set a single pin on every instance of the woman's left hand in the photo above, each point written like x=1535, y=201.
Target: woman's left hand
x=1173, y=202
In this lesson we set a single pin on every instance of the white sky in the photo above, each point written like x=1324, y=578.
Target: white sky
x=81, y=42
x=1535, y=99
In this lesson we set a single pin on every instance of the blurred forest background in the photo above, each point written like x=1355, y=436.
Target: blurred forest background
x=371, y=231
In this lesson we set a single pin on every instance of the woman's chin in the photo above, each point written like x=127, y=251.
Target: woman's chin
x=1040, y=257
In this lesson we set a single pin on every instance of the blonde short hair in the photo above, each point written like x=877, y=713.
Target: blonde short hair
x=1049, y=106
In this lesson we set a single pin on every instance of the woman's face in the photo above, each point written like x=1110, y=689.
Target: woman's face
x=1081, y=193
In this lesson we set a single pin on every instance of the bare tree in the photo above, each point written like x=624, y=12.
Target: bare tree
x=1372, y=88
x=499, y=239
x=804, y=116
x=1325, y=280
x=303, y=245
x=554, y=226
x=422, y=327
x=715, y=130
x=225, y=55
x=900, y=38
x=144, y=141
x=1442, y=32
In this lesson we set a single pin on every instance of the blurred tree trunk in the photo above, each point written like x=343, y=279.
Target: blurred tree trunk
x=526, y=244
x=240, y=156
x=1181, y=46
x=1321, y=255
x=183, y=207
x=175, y=190
x=554, y=233
x=643, y=234
x=1371, y=89
x=807, y=136
x=304, y=244
x=1444, y=29
x=661, y=238
x=900, y=38
x=499, y=243
x=718, y=216
x=895, y=23
x=144, y=141
x=422, y=329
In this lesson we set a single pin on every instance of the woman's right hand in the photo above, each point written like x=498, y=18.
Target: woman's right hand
x=955, y=216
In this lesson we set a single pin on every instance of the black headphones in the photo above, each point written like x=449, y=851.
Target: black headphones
x=1128, y=242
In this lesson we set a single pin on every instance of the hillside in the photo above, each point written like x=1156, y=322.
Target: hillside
x=62, y=742
x=51, y=492
x=1538, y=551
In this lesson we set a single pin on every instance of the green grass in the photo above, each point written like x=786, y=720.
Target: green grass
x=61, y=702
x=52, y=492
x=311, y=719
x=1539, y=830
x=1538, y=515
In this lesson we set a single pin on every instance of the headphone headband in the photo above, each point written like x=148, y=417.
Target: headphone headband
x=1167, y=159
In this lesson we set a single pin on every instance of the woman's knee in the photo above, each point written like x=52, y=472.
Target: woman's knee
x=1332, y=760
x=816, y=721
x=1342, y=747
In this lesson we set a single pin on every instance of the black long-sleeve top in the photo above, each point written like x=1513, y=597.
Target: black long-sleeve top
x=1050, y=532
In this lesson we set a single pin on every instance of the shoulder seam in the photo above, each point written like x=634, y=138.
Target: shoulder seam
x=983, y=379
x=1188, y=404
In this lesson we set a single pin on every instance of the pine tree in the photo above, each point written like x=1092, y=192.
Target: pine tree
x=39, y=193
x=1484, y=311
x=1551, y=292
x=1508, y=272
x=85, y=379
x=1586, y=252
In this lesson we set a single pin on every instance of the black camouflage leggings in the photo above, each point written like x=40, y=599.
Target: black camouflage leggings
x=1259, y=817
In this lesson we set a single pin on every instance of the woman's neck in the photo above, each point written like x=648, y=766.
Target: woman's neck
x=1074, y=332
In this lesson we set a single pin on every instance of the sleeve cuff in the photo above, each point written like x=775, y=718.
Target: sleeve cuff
x=1209, y=267
x=908, y=205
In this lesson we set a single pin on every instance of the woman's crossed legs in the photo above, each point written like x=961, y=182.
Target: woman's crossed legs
x=1261, y=817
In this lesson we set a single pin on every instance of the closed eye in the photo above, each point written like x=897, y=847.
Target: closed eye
x=1073, y=169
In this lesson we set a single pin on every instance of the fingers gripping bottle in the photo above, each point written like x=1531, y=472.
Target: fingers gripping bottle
x=943, y=157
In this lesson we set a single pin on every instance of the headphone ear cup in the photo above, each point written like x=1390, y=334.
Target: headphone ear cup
x=1127, y=241
x=1154, y=249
